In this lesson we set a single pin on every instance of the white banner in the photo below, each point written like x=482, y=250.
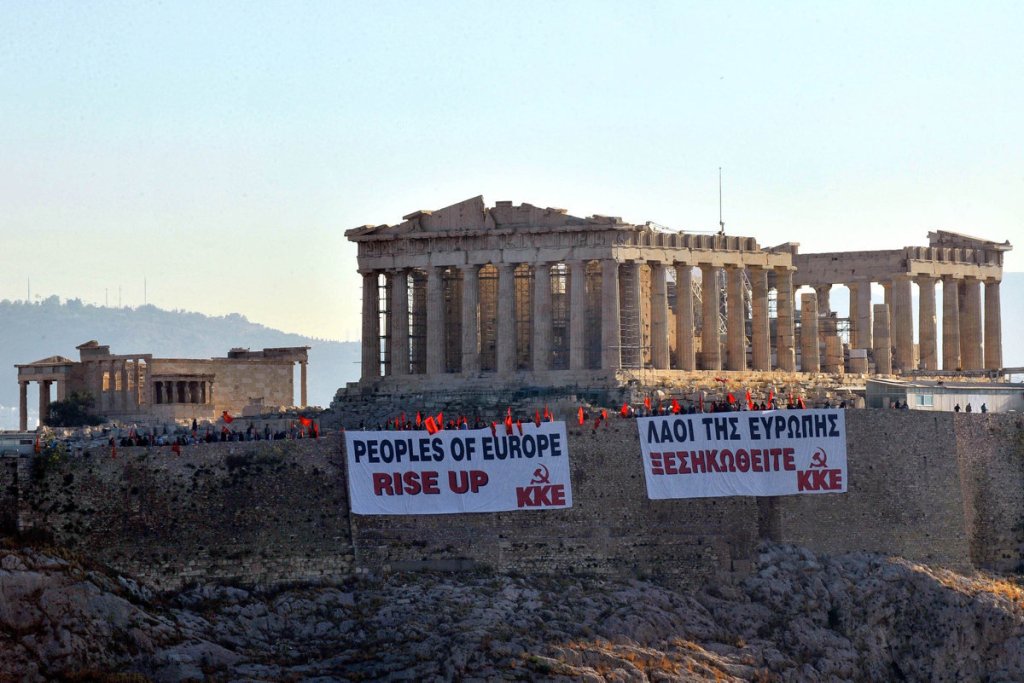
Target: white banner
x=416, y=473
x=770, y=453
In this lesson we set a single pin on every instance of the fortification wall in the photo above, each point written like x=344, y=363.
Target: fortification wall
x=991, y=457
x=256, y=512
x=611, y=528
x=905, y=494
x=938, y=488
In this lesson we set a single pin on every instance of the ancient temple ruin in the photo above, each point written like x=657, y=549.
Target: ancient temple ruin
x=531, y=295
x=138, y=387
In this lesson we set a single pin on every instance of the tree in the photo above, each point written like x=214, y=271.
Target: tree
x=74, y=411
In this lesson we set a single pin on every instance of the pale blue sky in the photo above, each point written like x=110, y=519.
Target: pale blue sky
x=220, y=150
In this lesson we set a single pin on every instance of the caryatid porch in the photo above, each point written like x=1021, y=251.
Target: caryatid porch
x=470, y=290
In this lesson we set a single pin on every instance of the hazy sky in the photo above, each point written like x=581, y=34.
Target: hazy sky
x=218, y=151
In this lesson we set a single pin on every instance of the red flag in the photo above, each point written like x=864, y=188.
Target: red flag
x=771, y=397
x=536, y=417
x=38, y=448
x=227, y=418
x=721, y=379
x=316, y=431
x=305, y=421
x=675, y=407
x=440, y=420
x=597, y=422
x=113, y=451
x=419, y=420
x=176, y=449
x=431, y=425
x=403, y=417
x=732, y=399
x=519, y=426
x=580, y=414
x=750, y=402
x=547, y=414
x=604, y=414
x=508, y=412
x=624, y=410
x=647, y=402
x=494, y=428
x=801, y=402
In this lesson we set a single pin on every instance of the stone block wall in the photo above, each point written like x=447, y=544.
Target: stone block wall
x=938, y=488
x=256, y=512
x=991, y=455
x=611, y=528
x=239, y=380
x=905, y=493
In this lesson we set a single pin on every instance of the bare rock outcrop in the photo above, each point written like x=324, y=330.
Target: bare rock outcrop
x=798, y=617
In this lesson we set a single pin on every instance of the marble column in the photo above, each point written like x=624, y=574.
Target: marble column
x=506, y=307
x=22, y=406
x=993, y=327
x=810, y=357
x=631, y=353
x=659, y=317
x=611, y=358
x=370, y=366
x=435, y=321
x=399, y=318
x=823, y=294
x=684, y=317
x=902, y=324
x=44, y=400
x=542, y=317
x=970, y=325
x=711, y=351
x=577, y=315
x=761, y=354
x=926, y=324
x=736, y=334
x=883, y=344
x=950, y=323
x=125, y=398
x=303, y=401
x=470, y=320
x=860, y=315
x=784, y=332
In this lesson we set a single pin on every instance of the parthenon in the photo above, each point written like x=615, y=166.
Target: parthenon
x=534, y=295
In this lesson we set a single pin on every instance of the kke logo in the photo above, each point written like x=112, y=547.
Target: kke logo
x=820, y=458
x=819, y=477
x=541, y=492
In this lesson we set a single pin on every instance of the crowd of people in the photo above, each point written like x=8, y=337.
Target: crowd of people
x=584, y=415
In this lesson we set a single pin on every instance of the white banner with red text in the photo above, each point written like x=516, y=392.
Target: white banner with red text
x=769, y=453
x=469, y=470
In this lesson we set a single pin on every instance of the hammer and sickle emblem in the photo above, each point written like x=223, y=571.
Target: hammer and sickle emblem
x=541, y=476
x=819, y=459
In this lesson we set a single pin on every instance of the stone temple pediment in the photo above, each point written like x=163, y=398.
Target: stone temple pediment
x=474, y=216
x=53, y=360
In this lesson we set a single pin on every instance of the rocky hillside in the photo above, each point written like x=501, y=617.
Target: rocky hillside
x=799, y=617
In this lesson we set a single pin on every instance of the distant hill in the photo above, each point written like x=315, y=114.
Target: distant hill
x=29, y=332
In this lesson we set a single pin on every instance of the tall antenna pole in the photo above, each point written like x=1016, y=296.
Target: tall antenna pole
x=721, y=223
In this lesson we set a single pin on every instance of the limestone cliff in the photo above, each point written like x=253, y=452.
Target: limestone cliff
x=797, y=617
